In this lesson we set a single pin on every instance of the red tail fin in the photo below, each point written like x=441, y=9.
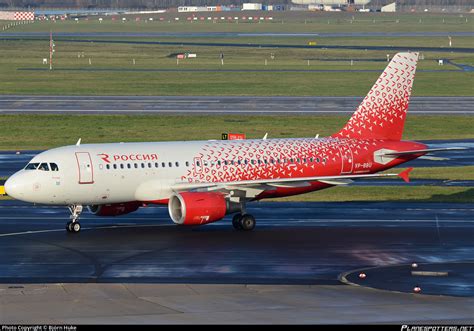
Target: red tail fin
x=381, y=115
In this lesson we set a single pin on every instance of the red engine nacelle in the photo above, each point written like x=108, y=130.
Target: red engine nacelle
x=114, y=209
x=195, y=208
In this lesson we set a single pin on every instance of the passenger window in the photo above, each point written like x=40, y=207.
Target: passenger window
x=163, y=165
x=198, y=163
x=115, y=166
x=43, y=167
x=170, y=164
x=129, y=166
x=54, y=167
x=149, y=165
x=187, y=163
x=136, y=165
x=121, y=165
x=177, y=164
x=317, y=160
x=108, y=166
x=156, y=164
x=143, y=165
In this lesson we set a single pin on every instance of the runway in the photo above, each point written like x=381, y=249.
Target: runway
x=232, y=105
x=253, y=45
x=145, y=247
x=237, y=34
x=141, y=268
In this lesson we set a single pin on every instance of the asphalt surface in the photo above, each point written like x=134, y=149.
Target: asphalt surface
x=453, y=278
x=237, y=34
x=218, y=105
x=12, y=161
x=255, y=45
x=294, y=243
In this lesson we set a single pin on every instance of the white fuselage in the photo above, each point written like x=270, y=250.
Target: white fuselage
x=122, y=172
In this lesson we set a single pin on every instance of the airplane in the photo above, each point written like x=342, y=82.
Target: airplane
x=203, y=181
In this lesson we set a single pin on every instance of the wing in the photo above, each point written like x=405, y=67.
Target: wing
x=251, y=188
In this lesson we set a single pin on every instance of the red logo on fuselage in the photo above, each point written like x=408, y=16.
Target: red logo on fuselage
x=104, y=157
x=129, y=157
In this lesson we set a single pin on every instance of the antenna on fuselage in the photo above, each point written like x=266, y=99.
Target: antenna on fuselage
x=265, y=136
x=317, y=136
x=79, y=142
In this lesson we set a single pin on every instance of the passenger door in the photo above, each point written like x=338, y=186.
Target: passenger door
x=347, y=159
x=85, y=168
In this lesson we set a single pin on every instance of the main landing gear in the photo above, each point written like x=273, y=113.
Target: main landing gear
x=73, y=226
x=245, y=222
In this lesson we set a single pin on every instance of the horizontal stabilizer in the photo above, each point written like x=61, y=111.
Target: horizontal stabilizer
x=405, y=175
x=424, y=151
x=433, y=158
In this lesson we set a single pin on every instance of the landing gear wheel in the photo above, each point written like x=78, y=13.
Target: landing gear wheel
x=73, y=227
x=76, y=227
x=236, y=221
x=247, y=222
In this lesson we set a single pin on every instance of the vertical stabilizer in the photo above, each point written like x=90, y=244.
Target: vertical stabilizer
x=381, y=115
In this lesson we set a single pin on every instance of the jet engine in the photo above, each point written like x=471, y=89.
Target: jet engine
x=196, y=208
x=114, y=209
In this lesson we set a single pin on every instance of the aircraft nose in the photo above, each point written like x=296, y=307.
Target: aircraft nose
x=14, y=187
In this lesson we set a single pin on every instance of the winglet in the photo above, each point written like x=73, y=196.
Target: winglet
x=405, y=175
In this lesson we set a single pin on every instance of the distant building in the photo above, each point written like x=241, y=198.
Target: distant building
x=194, y=9
x=390, y=8
x=332, y=2
x=252, y=6
x=17, y=16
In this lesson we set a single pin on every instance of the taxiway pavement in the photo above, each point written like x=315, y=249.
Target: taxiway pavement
x=140, y=268
x=241, y=105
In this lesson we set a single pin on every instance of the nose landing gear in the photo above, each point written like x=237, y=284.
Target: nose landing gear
x=73, y=226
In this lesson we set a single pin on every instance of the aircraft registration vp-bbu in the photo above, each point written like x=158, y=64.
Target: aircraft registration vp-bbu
x=203, y=181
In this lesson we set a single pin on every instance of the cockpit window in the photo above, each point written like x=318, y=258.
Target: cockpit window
x=31, y=166
x=54, y=167
x=43, y=167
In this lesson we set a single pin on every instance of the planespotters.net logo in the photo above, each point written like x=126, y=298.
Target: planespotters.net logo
x=128, y=157
x=437, y=328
